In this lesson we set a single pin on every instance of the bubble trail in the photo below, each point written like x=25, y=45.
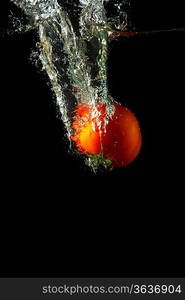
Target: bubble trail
x=75, y=75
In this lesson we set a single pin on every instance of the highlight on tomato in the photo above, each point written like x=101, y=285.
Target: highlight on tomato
x=117, y=137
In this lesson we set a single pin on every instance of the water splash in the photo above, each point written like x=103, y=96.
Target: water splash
x=73, y=50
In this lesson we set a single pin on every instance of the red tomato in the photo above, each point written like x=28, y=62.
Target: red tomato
x=121, y=142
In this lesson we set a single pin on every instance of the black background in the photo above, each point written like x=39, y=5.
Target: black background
x=60, y=219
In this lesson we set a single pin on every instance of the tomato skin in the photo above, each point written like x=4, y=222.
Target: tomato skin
x=85, y=125
x=121, y=142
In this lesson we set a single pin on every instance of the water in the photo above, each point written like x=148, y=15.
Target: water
x=73, y=49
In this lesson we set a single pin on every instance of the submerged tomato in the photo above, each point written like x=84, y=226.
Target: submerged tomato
x=121, y=142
